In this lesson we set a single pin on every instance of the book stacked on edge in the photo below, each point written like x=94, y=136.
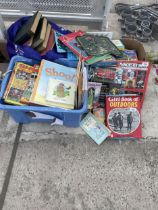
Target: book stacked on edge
x=36, y=33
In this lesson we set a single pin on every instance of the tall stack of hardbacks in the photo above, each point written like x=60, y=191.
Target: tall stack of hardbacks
x=36, y=33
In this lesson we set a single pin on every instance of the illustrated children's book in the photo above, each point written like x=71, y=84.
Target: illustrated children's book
x=94, y=89
x=59, y=45
x=98, y=45
x=50, y=92
x=58, y=91
x=123, y=117
x=18, y=82
x=70, y=41
x=25, y=98
x=95, y=129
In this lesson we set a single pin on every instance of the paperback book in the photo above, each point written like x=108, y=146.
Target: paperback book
x=95, y=129
x=123, y=116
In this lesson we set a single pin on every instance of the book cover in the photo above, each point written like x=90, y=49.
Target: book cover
x=43, y=45
x=133, y=76
x=61, y=92
x=18, y=83
x=28, y=29
x=52, y=70
x=70, y=41
x=99, y=113
x=94, y=89
x=25, y=98
x=50, y=44
x=123, y=116
x=61, y=48
x=40, y=33
x=95, y=129
x=97, y=45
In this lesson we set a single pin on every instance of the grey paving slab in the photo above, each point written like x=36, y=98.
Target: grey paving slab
x=5, y=153
x=8, y=128
x=72, y=173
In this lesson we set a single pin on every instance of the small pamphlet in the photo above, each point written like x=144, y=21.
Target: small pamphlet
x=95, y=129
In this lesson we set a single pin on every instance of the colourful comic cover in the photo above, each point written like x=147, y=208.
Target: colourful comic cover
x=95, y=129
x=94, y=89
x=18, y=83
x=61, y=92
x=69, y=40
x=50, y=70
x=59, y=45
x=25, y=98
x=123, y=116
x=133, y=76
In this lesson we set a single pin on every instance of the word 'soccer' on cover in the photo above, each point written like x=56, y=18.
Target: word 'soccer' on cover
x=123, y=116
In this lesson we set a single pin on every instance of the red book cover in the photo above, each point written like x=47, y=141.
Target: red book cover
x=70, y=41
x=50, y=45
x=133, y=76
x=123, y=116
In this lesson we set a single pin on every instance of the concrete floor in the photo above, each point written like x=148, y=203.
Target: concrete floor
x=57, y=168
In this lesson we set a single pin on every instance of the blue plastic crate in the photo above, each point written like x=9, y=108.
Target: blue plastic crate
x=22, y=114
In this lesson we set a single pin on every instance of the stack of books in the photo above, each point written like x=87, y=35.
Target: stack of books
x=48, y=84
x=36, y=33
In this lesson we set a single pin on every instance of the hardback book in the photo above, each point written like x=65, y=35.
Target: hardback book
x=61, y=92
x=123, y=116
x=61, y=48
x=25, y=98
x=40, y=34
x=28, y=29
x=97, y=45
x=44, y=85
x=18, y=83
x=29, y=42
x=43, y=45
x=50, y=44
x=69, y=40
x=95, y=129
x=94, y=89
x=133, y=76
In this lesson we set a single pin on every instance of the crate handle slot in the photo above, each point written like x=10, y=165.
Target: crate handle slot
x=38, y=117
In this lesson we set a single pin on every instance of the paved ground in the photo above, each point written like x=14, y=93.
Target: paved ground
x=57, y=168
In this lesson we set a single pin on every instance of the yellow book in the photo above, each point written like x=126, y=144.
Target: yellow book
x=18, y=83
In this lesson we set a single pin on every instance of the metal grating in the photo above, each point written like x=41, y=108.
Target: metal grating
x=66, y=6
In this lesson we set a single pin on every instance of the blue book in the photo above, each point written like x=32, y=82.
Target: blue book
x=95, y=129
x=55, y=86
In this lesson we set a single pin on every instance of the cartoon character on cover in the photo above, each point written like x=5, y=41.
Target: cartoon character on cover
x=62, y=91
x=129, y=121
x=118, y=76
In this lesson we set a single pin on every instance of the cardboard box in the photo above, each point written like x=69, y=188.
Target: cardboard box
x=133, y=44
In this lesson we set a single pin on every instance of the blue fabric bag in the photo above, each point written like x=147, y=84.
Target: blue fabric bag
x=28, y=52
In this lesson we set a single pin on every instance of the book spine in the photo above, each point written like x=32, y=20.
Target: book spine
x=32, y=98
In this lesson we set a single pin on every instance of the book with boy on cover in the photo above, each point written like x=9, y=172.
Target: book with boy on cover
x=95, y=129
x=54, y=86
x=123, y=116
x=18, y=82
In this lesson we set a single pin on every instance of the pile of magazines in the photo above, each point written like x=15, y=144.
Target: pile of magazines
x=116, y=96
